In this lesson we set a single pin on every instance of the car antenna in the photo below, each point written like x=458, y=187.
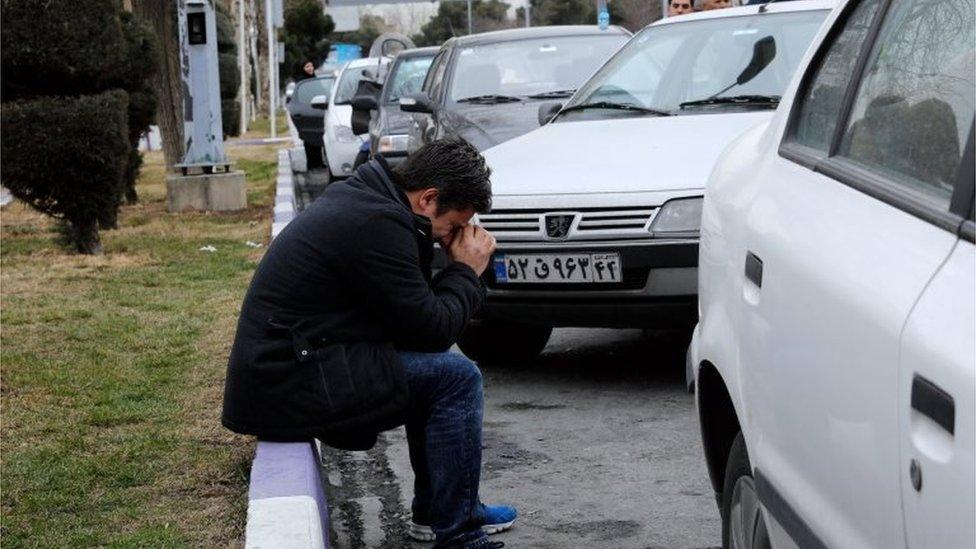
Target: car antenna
x=765, y=5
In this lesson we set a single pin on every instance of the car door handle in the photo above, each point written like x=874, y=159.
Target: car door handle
x=931, y=401
x=754, y=269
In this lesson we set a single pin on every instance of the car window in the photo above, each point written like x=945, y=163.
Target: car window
x=667, y=65
x=820, y=103
x=406, y=78
x=435, y=74
x=915, y=104
x=310, y=88
x=529, y=67
x=349, y=82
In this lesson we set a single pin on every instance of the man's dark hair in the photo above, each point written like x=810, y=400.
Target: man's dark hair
x=452, y=166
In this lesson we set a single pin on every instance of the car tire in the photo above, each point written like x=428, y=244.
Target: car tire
x=503, y=344
x=743, y=524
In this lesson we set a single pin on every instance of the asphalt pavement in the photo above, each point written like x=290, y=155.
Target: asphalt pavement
x=595, y=442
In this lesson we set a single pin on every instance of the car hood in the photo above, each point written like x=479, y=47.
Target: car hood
x=488, y=125
x=616, y=155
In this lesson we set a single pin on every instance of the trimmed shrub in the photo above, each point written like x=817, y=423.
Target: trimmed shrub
x=59, y=47
x=135, y=77
x=230, y=72
x=230, y=116
x=70, y=156
x=230, y=75
x=226, y=33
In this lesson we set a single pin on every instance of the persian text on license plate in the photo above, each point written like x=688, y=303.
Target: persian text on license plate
x=555, y=268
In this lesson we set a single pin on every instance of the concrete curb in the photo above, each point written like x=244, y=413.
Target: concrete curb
x=284, y=209
x=286, y=501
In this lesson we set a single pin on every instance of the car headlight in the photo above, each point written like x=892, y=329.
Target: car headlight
x=344, y=134
x=393, y=143
x=680, y=217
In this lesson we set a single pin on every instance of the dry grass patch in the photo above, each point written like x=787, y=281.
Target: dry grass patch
x=113, y=368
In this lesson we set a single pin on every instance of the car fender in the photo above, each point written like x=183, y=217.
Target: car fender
x=729, y=191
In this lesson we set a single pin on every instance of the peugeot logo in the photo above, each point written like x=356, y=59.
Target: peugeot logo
x=557, y=225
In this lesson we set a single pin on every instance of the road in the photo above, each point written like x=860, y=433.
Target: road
x=595, y=442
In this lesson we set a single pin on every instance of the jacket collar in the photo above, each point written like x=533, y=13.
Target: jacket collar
x=377, y=173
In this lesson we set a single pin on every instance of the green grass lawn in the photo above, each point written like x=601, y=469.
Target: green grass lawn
x=112, y=373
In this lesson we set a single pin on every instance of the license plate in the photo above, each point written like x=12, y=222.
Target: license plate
x=558, y=268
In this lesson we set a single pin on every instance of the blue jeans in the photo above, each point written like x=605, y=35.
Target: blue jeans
x=444, y=435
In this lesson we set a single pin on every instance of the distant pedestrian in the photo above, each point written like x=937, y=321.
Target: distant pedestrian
x=680, y=7
x=308, y=71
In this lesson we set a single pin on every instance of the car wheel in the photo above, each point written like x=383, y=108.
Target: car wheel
x=743, y=525
x=503, y=344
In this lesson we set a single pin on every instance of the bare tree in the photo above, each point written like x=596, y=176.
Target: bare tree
x=161, y=14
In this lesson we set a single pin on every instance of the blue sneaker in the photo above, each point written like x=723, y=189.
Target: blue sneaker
x=498, y=518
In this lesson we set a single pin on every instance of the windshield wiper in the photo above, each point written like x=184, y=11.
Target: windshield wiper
x=552, y=94
x=489, y=98
x=615, y=106
x=771, y=100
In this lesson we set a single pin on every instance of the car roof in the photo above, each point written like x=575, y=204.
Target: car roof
x=771, y=7
x=510, y=35
x=366, y=62
x=419, y=52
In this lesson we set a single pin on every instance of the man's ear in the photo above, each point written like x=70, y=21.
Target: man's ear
x=428, y=199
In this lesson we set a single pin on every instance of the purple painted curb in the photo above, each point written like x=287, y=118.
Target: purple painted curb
x=282, y=469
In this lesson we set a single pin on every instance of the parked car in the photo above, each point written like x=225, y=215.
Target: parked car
x=388, y=126
x=305, y=105
x=486, y=88
x=341, y=144
x=834, y=361
x=596, y=213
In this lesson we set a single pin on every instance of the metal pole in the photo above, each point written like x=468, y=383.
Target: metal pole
x=528, y=10
x=470, y=31
x=272, y=69
x=242, y=63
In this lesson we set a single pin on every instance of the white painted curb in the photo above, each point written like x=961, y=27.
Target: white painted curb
x=284, y=209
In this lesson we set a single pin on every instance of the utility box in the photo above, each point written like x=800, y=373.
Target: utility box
x=206, y=181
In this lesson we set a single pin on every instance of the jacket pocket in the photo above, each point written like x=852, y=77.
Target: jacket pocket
x=359, y=379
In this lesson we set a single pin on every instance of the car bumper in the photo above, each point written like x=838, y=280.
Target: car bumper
x=659, y=288
x=341, y=156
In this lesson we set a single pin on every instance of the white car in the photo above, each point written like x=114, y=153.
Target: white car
x=596, y=213
x=835, y=361
x=341, y=144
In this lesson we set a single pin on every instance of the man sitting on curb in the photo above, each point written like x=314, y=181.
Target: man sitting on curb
x=343, y=333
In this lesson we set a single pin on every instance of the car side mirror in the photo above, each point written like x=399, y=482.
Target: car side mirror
x=416, y=102
x=364, y=103
x=548, y=111
x=320, y=102
x=763, y=53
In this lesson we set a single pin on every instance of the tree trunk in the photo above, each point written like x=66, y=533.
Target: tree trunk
x=161, y=14
x=84, y=236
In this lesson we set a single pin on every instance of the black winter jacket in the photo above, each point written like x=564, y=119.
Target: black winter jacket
x=343, y=286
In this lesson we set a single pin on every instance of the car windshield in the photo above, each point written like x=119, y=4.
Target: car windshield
x=310, y=88
x=349, y=83
x=407, y=77
x=698, y=63
x=530, y=67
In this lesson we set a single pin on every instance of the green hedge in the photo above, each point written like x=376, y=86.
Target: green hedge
x=59, y=47
x=70, y=157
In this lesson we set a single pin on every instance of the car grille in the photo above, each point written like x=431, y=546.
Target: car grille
x=588, y=223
